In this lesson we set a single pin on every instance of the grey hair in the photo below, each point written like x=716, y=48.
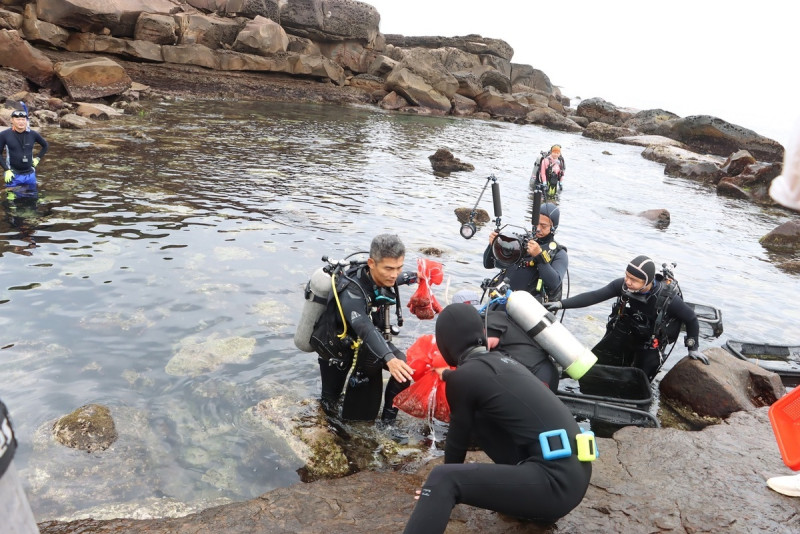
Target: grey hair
x=386, y=246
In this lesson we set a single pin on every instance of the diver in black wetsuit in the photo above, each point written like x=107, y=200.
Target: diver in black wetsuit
x=509, y=338
x=494, y=399
x=542, y=270
x=366, y=295
x=639, y=324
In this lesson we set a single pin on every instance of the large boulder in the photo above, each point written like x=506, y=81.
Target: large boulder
x=105, y=44
x=552, y=119
x=752, y=182
x=651, y=121
x=16, y=53
x=474, y=44
x=784, y=238
x=606, y=132
x=94, y=16
x=351, y=55
x=213, y=32
x=261, y=36
x=421, y=79
x=599, y=110
x=711, y=135
x=704, y=394
x=39, y=31
x=530, y=77
x=331, y=20
x=499, y=104
x=158, y=29
x=87, y=79
x=10, y=20
x=245, y=8
x=195, y=54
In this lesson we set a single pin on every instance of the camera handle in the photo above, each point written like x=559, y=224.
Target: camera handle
x=468, y=229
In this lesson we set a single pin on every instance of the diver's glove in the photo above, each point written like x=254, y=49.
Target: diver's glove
x=553, y=306
x=697, y=355
x=8, y=176
x=36, y=162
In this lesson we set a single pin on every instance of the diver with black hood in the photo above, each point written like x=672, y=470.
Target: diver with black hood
x=648, y=311
x=541, y=268
x=518, y=422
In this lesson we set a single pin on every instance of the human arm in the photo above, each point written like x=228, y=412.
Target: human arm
x=684, y=312
x=42, y=143
x=612, y=289
x=488, y=257
x=551, y=272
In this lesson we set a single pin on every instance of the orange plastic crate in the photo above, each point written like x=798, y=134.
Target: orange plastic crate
x=784, y=414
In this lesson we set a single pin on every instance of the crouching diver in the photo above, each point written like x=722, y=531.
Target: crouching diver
x=517, y=421
x=541, y=268
x=356, y=324
x=645, y=319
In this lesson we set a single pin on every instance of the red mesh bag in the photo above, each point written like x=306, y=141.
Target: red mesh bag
x=426, y=396
x=423, y=302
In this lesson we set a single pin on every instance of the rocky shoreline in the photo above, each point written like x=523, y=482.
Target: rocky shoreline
x=646, y=479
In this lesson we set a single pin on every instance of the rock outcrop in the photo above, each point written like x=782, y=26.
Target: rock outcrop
x=644, y=480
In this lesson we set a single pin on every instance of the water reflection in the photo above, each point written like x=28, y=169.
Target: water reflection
x=194, y=226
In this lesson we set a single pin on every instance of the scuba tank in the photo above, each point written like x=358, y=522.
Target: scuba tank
x=317, y=291
x=551, y=335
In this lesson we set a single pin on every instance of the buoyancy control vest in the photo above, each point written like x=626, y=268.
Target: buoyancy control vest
x=648, y=319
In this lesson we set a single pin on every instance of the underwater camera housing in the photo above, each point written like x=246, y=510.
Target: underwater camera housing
x=508, y=250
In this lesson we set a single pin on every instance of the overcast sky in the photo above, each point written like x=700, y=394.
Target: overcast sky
x=702, y=57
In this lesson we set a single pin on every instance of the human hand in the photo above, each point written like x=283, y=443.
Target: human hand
x=553, y=306
x=533, y=248
x=697, y=355
x=492, y=236
x=440, y=371
x=36, y=162
x=8, y=176
x=400, y=370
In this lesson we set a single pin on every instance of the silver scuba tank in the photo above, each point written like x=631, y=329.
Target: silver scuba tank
x=550, y=334
x=316, y=296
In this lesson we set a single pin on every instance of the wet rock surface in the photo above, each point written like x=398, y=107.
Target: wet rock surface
x=645, y=480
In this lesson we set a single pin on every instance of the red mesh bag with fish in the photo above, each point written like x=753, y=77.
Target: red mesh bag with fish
x=423, y=302
x=425, y=398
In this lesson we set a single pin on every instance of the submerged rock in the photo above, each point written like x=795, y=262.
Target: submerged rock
x=90, y=428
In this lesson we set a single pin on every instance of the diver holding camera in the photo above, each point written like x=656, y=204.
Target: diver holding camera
x=535, y=263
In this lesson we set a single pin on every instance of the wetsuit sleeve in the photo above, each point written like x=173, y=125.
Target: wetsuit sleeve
x=681, y=310
x=355, y=310
x=460, y=397
x=613, y=289
x=39, y=139
x=552, y=274
x=488, y=258
x=3, y=145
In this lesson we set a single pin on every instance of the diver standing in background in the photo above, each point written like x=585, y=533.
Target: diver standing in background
x=19, y=166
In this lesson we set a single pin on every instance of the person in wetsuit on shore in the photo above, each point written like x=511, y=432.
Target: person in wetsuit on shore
x=645, y=312
x=364, y=297
x=506, y=409
x=542, y=269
